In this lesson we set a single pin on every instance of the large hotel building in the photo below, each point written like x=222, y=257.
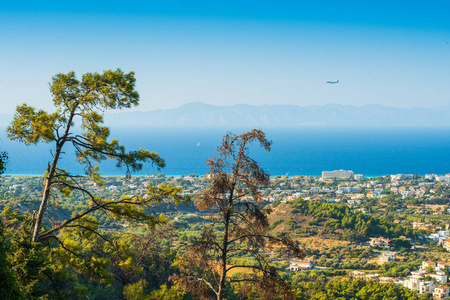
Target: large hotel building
x=341, y=174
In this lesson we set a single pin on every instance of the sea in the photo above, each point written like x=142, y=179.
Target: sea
x=295, y=151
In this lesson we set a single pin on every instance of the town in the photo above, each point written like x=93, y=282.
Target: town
x=416, y=203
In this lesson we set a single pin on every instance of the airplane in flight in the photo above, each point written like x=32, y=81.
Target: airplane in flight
x=331, y=82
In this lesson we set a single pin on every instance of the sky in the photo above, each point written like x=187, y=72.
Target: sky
x=393, y=53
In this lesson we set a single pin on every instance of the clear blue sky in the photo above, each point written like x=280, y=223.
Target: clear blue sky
x=394, y=53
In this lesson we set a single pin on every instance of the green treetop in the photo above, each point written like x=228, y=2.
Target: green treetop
x=84, y=101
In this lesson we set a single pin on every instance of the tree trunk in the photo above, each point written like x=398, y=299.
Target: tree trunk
x=49, y=180
x=223, y=275
x=46, y=194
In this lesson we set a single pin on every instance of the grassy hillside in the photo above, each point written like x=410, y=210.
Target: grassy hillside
x=285, y=218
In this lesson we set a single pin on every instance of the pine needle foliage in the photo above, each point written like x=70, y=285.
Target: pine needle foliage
x=239, y=224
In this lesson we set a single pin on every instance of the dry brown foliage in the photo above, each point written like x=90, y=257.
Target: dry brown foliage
x=234, y=200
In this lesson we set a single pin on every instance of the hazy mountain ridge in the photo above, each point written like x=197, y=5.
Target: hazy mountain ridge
x=200, y=114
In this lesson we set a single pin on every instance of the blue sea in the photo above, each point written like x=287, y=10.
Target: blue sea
x=295, y=151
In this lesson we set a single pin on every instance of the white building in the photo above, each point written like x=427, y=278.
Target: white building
x=440, y=277
x=357, y=275
x=439, y=237
x=441, y=266
x=445, y=178
x=418, y=282
x=413, y=282
x=364, y=276
x=358, y=176
x=421, y=225
x=447, y=245
x=381, y=241
x=377, y=192
x=387, y=256
x=402, y=176
x=430, y=176
x=426, y=264
x=341, y=174
x=299, y=265
x=441, y=291
x=426, y=287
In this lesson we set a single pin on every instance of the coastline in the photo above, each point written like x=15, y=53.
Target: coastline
x=201, y=175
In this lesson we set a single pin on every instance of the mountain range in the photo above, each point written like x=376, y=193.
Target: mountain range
x=201, y=114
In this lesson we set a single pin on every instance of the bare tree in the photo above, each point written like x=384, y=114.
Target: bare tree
x=239, y=227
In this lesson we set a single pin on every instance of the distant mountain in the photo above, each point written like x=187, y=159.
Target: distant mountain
x=200, y=114
x=242, y=115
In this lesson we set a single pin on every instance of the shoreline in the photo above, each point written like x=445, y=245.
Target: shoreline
x=201, y=175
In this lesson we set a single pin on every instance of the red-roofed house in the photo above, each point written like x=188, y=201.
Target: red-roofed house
x=428, y=263
x=441, y=291
x=442, y=265
x=299, y=265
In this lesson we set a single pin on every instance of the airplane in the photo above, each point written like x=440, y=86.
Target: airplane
x=331, y=82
